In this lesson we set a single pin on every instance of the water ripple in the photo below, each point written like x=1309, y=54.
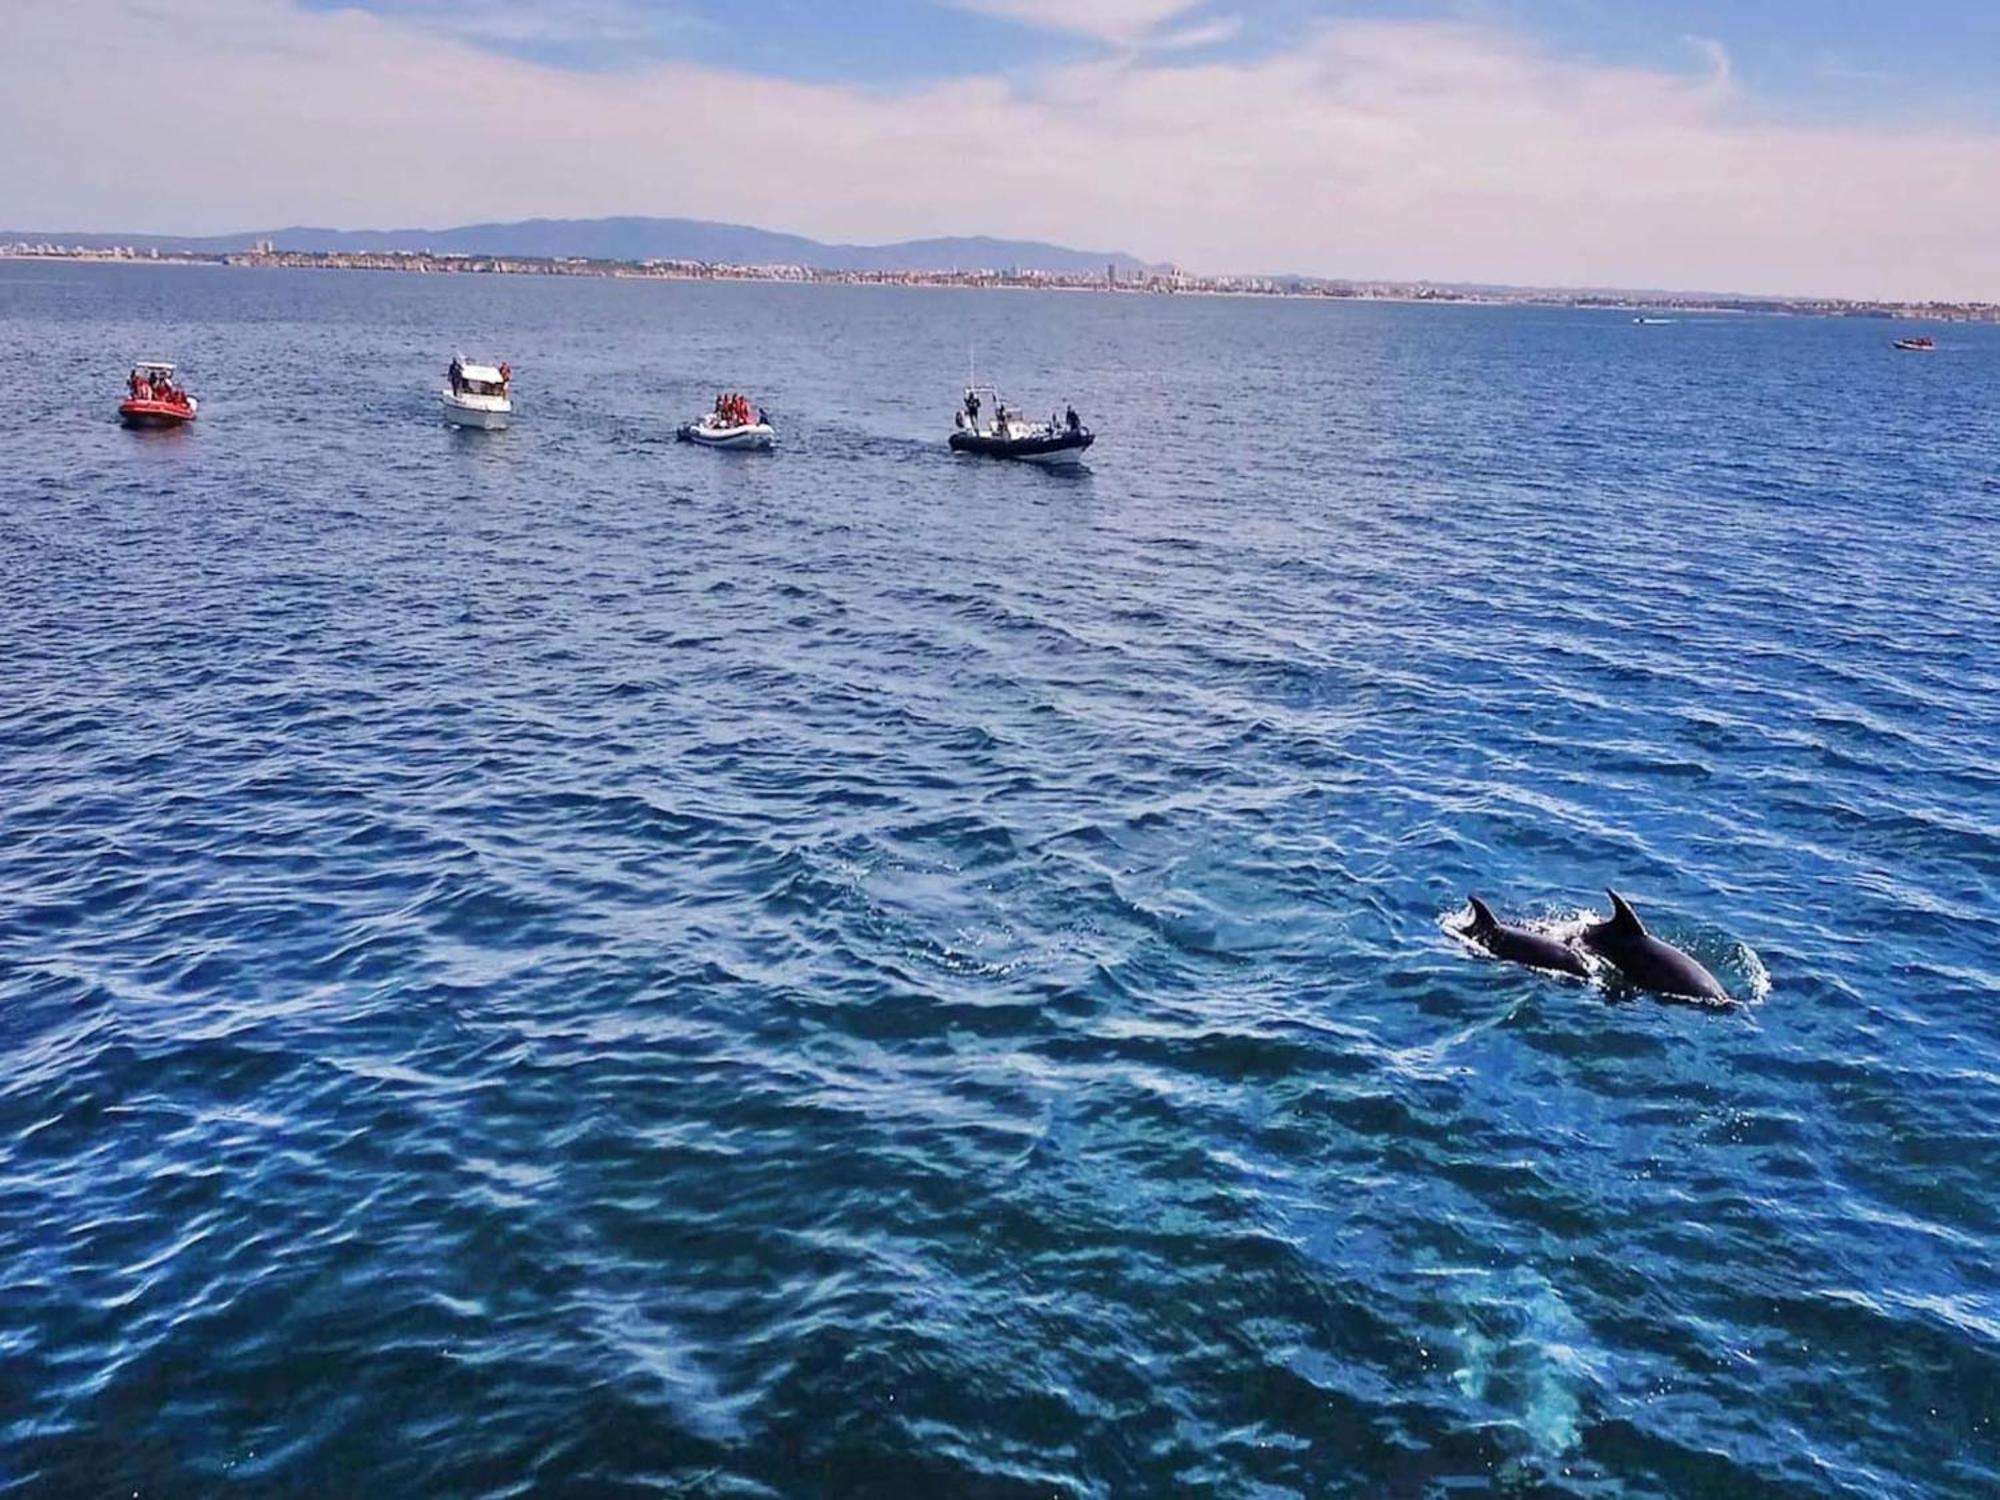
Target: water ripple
x=556, y=964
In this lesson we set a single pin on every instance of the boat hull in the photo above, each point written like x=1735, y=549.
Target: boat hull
x=753, y=438
x=155, y=416
x=486, y=414
x=1062, y=450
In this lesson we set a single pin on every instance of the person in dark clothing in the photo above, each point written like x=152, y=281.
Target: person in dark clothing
x=1072, y=421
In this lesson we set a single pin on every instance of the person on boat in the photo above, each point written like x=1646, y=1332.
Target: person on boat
x=456, y=375
x=1072, y=421
x=972, y=408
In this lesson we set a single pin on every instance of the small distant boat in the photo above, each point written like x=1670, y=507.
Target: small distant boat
x=1653, y=322
x=1921, y=343
x=735, y=423
x=478, y=395
x=153, y=400
x=1053, y=444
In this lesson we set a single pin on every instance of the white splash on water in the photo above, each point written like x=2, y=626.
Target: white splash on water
x=1756, y=978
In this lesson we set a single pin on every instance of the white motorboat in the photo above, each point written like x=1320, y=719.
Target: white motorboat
x=478, y=395
x=734, y=423
x=1056, y=444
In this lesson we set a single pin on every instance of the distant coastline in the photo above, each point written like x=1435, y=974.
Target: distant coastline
x=1112, y=280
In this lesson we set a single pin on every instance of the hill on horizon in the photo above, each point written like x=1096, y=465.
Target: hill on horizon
x=630, y=238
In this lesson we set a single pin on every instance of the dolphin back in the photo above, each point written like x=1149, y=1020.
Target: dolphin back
x=1521, y=945
x=1648, y=962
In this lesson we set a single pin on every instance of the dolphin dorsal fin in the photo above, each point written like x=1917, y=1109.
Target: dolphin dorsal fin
x=1623, y=915
x=1483, y=919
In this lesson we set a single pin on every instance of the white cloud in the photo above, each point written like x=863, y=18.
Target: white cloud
x=1201, y=34
x=1375, y=148
x=597, y=24
x=1119, y=21
x=1721, y=71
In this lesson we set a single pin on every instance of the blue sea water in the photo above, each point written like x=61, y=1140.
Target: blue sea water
x=552, y=962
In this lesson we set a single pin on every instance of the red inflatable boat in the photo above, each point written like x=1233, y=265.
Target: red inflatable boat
x=153, y=400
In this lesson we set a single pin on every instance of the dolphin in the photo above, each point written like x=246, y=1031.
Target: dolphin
x=1518, y=945
x=1647, y=962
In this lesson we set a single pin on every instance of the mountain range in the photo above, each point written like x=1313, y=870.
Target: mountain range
x=632, y=239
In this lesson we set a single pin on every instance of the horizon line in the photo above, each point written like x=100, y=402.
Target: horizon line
x=26, y=245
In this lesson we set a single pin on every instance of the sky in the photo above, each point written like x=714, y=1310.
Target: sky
x=1837, y=147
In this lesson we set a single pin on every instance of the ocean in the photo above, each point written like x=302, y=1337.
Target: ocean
x=555, y=962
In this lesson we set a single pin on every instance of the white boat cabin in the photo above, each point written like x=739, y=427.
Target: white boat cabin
x=480, y=380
